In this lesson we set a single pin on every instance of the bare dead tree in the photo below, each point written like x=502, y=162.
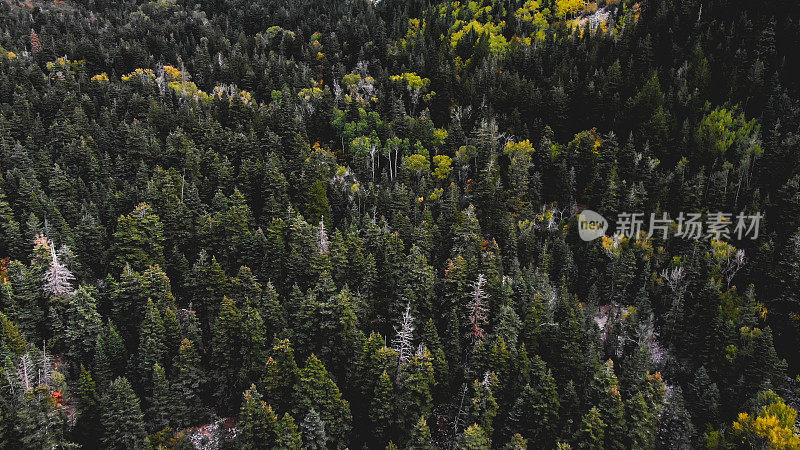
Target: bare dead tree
x=403, y=341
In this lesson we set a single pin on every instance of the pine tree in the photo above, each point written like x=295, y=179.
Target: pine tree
x=257, y=422
x=675, y=429
x=315, y=390
x=139, y=240
x=253, y=346
x=26, y=309
x=207, y=285
x=121, y=418
x=41, y=420
x=604, y=391
x=420, y=437
x=172, y=337
x=11, y=242
x=109, y=354
x=430, y=338
x=151, y=342
x=281, y=375
x=474, y=438
x=641, y=423
x=225, y=353
x=11, y=339
x=160, y=413
x=483, y=406
x=517, y=442
x=128, y=308
x=415, y=384
x=88, y=408
x=272, y=312
x=702, y=398
x=417, y=284
x=591, y=433
x=287, y=435
x=382, y=413
x=187, y=385
x=313, y=429
x=535, y=413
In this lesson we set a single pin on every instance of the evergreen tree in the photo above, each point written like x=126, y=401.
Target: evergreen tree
x=109, y=354
x=313, y=429
x=87, y=423
x=139, y=240
x=187, y=385
x=281, y=375
x=474, y=438
x=225, y=353
x=160, y=413
x=591, y=432
x=420, y=437
x=382, y=412
x=121, y=418
x=151, y=342
x=257, y=422
x=315, y=390
x=675, y=429
x=535, y=413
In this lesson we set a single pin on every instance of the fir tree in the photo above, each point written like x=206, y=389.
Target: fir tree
x=187, y=385
x=420, y=437
x=121, y=418
x=474, y=438
x=257, y=422
x=313, y=430
x=160, y=413
x=315, y=390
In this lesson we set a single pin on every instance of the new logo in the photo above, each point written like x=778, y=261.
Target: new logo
x=591, y=225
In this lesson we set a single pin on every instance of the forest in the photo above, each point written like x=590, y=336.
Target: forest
x=301, y=224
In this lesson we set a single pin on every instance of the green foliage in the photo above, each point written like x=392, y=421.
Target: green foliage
x=315, y=390
x=185, y=190
x=139, y=240
x=122, y=421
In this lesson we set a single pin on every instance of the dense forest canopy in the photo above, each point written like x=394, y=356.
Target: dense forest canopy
x=355, y=224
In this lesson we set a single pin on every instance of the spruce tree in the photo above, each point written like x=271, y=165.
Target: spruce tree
x=535, y=413
x=257, y=422
x=187, y=385
x=313, y=430
x=591, y=431
x=382, y=412
x=474, y=438
x=160, y=412
x=87, y=422
x=315, y=390
x=225, y=353
x=121, y=418
x=420, y=437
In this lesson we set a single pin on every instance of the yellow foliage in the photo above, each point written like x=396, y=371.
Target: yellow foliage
x=415, y=163
x=443, y=166
x=173, y=74
x=514, y=148
x=414, y=81
x=773, y=426
x=568, y=7
x=100, y=78
x=722, y=250
x=497, y=42
x=142, y=74
x=439, y=135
